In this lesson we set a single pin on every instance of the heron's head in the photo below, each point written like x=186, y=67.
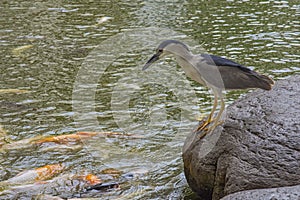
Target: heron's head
x=165, y=48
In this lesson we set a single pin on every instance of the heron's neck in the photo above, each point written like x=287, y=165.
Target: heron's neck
x=189, y=63
x=184, y=58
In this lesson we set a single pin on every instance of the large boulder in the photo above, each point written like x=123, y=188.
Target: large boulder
x=257, y=147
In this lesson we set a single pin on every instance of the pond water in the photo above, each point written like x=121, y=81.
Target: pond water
x=80, y=63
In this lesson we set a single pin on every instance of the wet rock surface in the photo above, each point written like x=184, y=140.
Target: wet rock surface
x=257, y=147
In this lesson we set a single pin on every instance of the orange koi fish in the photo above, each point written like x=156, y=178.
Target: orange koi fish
x=91, y=179
x=77, y=137
x=63, y=139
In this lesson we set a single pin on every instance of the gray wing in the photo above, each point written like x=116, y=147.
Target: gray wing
x=236, y=76
x=219, y=61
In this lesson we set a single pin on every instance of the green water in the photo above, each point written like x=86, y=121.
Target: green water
x=83, y=72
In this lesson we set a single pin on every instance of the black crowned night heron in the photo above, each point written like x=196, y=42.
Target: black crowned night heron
x=214, y=72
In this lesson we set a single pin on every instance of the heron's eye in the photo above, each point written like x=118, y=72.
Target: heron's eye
x=160, y=51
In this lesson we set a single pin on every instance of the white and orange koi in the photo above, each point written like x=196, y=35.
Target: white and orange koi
x=35, y=175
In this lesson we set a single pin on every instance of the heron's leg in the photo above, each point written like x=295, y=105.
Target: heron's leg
x=217, y=122
x=221, y=110
x=210, y=117
x=217, y=119
x=214, y=108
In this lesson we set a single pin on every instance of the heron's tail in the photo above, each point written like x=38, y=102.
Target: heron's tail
x=264, y=82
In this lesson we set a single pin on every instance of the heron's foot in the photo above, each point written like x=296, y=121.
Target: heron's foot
x=209, y=129
x=204, y=124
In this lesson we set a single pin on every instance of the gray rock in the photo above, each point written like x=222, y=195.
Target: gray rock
x=257, y=147
x=281, y=193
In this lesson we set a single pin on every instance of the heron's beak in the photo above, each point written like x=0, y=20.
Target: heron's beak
x=154, y=58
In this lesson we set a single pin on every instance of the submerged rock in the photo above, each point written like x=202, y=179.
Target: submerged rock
x=257, y=147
